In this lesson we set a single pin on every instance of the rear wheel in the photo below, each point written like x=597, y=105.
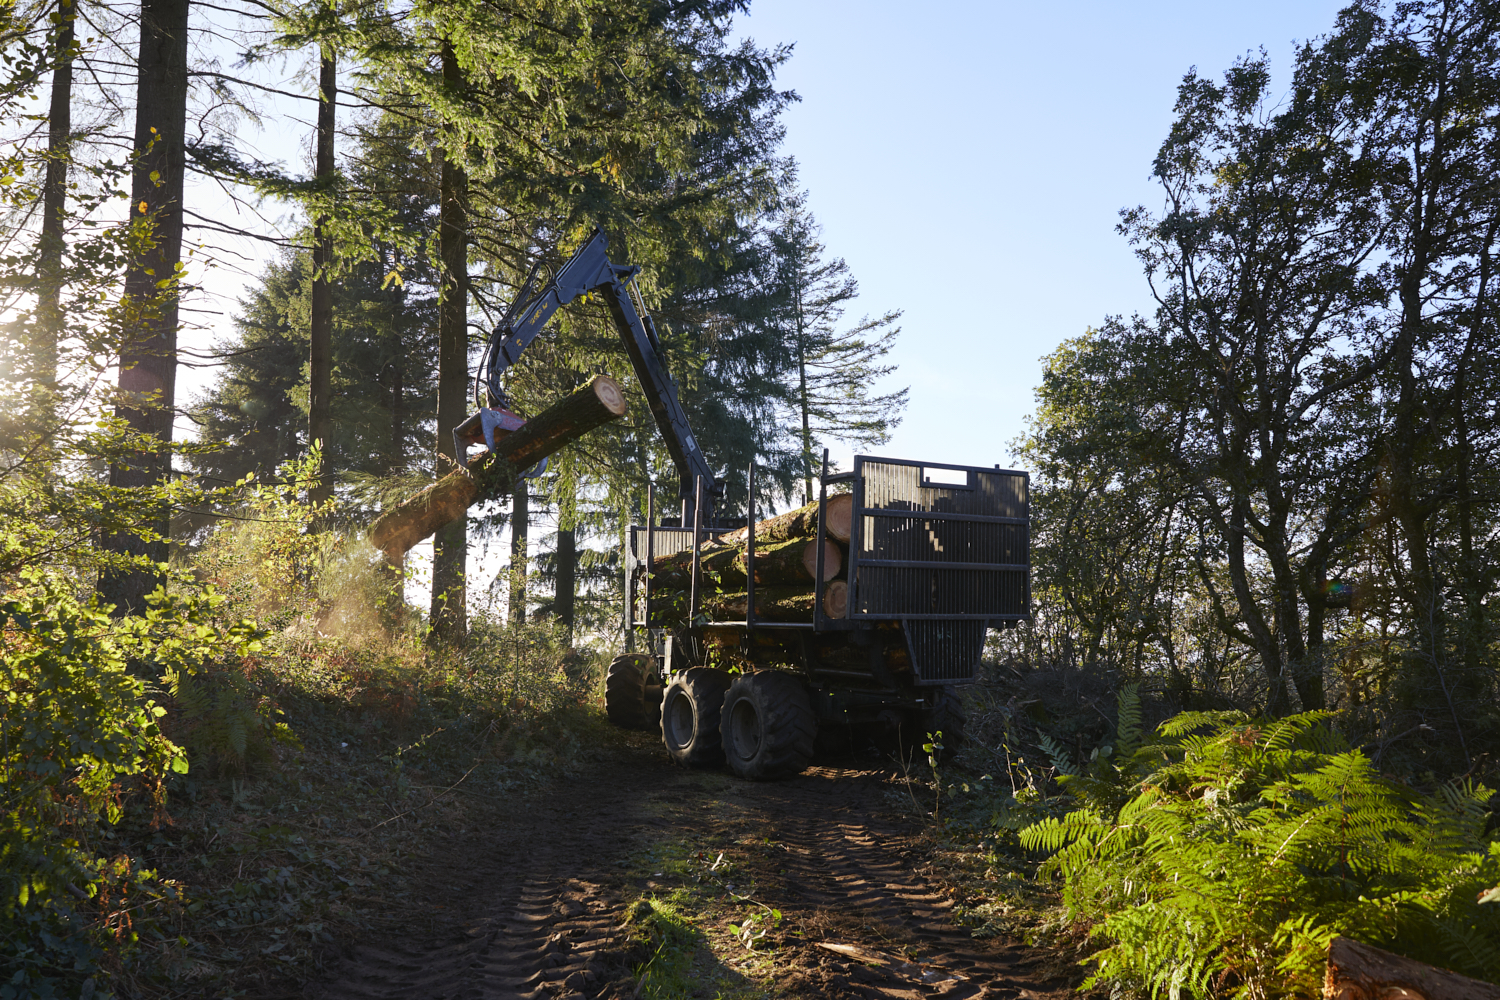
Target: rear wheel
x=632, y=698
x=768, y=725
x=690, y=710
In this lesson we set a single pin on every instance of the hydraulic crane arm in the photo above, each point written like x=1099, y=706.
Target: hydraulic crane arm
x=590, y=270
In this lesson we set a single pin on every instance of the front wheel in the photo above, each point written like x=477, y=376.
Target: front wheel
x=690, y=710
x=768, y=725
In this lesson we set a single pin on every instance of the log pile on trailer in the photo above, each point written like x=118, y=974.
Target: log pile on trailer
x=786, y=561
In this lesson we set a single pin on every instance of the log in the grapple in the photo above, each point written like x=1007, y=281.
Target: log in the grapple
x=493, y=474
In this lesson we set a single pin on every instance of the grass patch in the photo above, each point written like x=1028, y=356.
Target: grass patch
x=699, y=930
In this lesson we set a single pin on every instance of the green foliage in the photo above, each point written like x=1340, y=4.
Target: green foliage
x=665, y=932
x=1221, y=857
x=80, y=744
x=383, y=349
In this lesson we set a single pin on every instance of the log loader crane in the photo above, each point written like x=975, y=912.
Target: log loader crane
x=936, y=555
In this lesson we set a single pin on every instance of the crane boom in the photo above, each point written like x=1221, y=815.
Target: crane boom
x=590, y=270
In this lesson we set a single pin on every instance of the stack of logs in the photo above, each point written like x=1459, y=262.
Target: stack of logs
x=786, y=564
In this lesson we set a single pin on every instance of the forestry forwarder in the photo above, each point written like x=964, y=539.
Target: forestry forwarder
x=909, y=569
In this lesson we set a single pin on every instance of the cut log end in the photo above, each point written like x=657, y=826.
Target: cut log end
x=836, y=599
x=840, y=519
x=833, y=560
x=609, y=394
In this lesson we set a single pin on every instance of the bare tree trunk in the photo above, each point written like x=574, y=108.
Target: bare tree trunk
x=520, y=562
x=148, y=360
x=807, y=448
x=450, y=545
x=1261, y=635
x=50, y=327
x=398, y=389
x=567, y=576
x=320, y=339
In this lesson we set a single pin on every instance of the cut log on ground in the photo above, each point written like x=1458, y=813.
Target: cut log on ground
x=1359, y=972
x=794, y=561
x=493, y=474
x=799, y=523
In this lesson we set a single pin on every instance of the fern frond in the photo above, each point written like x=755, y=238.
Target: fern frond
x=1128, y=719
x=1059, y=755
x=1185, y=722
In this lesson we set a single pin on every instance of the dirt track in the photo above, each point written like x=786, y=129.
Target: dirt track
x=534, y=908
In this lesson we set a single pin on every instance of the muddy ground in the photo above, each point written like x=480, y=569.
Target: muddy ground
x=815, y=886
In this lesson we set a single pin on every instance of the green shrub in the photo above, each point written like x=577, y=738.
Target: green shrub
x=80, y=743
x=76, y=735
x=1222, y=857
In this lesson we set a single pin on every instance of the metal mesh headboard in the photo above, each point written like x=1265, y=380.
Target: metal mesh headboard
x=666, y=541
x=939, y=542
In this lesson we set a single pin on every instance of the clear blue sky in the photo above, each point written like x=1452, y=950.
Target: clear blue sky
x=969, y=161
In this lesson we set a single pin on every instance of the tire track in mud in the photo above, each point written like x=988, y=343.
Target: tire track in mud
x=539, y=915
x=843, y=866
x=542, y=896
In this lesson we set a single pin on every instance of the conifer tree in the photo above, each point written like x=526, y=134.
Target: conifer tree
x=830, y=371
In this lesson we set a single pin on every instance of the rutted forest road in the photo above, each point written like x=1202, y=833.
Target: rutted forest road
x=537, y=907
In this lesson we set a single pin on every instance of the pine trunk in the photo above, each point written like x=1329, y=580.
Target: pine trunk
x=148, y=358
x=794, y=561
x=772, y=604
x=50, y=327
x=520, y=562
x=320, y=333
x=567, y=570
x=491, y=476
x=450, y=545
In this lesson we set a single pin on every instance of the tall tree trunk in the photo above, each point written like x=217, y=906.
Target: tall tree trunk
x=398, y=388
x=567, y=576
x=320, y=339
x=450, y=545
x=567, y=562
x=807, y=448
x=148, y=359
x=50, y=326
x=1260, y=631
x=520, y=562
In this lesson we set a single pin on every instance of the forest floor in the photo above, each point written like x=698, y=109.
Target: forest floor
x=641, y=879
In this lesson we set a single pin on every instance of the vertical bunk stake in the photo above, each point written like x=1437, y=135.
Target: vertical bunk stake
x=818, y=617
x=697, y=552
x=650, y=548
x=750, y=550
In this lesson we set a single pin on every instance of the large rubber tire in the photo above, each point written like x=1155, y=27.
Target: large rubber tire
x=768, y=725
x=690, y=716
x=628, y=692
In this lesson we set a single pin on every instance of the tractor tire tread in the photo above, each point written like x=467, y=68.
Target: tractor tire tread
x=789, y=727
x=625, y=691
x=705, y=688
